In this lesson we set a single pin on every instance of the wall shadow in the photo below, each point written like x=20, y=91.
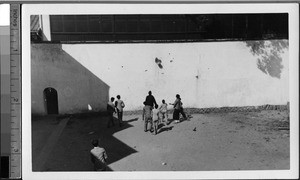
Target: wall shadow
x=268, y=54
x=77, y=86
x=115, y=148
x=71, y=152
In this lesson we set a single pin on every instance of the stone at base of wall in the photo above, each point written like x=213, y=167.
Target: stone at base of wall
x=225, y=109
x=194, y=110
x=237, y=109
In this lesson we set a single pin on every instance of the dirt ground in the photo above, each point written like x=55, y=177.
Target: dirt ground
x=214, y=141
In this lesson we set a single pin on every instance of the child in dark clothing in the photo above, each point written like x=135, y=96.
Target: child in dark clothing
x=178, y=109
x=111, y=109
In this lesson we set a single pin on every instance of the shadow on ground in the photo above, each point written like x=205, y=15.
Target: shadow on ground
x=72, y=150
x=163, y=128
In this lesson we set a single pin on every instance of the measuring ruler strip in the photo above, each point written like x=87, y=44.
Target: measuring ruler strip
x=15, y=90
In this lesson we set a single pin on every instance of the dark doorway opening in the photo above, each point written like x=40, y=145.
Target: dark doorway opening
x=51, y=100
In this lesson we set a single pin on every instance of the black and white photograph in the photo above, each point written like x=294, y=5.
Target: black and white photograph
x=159, y=88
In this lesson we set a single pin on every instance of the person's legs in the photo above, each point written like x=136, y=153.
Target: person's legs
x=182, y=113
x=155, y=127
x=146, y=124
x=176, y=115
x=120, y=114
x=151, y=124
x=165, y=117
x=110, y=120
x=160, y=117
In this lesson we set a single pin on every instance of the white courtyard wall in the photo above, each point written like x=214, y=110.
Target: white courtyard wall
x=206, y=74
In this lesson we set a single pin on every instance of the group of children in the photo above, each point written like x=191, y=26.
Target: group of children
x=155, y=115
x=115, y=107
x=152, y=114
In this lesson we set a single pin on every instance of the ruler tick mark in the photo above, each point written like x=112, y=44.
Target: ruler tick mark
x=15, y=65
x=15, y=103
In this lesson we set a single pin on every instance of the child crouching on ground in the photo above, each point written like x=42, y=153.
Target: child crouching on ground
x=155, y=118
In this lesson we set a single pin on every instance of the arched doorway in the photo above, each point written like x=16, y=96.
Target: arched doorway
x=51, y=100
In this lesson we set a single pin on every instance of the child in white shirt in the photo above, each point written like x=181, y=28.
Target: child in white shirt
x=98, y=157
x=119, y=106
x=163, y=109
x=155, y=118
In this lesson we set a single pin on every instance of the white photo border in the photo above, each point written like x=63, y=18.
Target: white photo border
x=161, y=8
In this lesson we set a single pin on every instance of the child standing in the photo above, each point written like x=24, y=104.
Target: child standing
x=147, y=116
x=163, y=109
x=178, y=109
x=120, y=105
x=111, y=109
x=155, y=118
x=98, y=157
x=181, y=111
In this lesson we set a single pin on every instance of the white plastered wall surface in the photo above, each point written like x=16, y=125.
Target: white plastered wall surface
x=212, y=74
